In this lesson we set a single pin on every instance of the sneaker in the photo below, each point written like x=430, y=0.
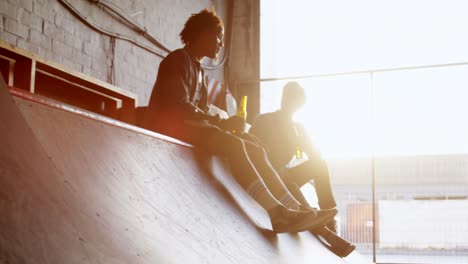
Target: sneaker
x=311, y=221
x=289, y=220
x=281, y=217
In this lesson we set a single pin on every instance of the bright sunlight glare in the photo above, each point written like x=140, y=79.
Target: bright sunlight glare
x=420, y=111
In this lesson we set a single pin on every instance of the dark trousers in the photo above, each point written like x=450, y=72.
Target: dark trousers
x=311, y=170
x=248, y=161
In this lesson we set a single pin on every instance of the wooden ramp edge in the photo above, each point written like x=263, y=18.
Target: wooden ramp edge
x=74, y=189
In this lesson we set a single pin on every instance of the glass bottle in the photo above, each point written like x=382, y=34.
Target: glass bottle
x=298, y=148
x=242, y=110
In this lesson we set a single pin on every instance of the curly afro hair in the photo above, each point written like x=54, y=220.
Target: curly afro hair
x=204, y=20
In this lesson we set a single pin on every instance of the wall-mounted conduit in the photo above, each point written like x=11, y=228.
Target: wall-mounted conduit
x=133, y=25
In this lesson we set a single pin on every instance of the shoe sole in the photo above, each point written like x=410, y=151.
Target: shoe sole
x=342, y=252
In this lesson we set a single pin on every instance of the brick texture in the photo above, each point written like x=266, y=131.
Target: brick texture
x=8, y=37
x=26, y=4
x=47, y=28
x=16, y=28
x=31, y=20
x=10, y=10
x=40, y=39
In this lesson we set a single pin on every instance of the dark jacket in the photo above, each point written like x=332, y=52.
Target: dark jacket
x=178, y=93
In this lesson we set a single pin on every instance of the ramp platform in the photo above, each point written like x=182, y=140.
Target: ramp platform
x=80, y=188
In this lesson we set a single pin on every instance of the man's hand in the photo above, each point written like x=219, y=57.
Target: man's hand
x=234, y=124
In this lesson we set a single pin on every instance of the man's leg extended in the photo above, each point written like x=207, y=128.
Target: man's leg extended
x=316, y=170
x=295, y=190
x=283, y=219
x=271, y=178
x=221, y=143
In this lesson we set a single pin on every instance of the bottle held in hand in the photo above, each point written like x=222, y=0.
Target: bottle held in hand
x=242, y=111
x=298, y=149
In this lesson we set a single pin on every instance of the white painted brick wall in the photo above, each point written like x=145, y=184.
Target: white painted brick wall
x=47, y=9
x=31, y=20
x=38, y=38
x=10, y=10
x=26, y=4
x=48, y=29
x=16, y=28
x=61, y=48
x=8, y=37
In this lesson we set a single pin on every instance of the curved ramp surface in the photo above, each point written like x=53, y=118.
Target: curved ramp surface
x=74, y=189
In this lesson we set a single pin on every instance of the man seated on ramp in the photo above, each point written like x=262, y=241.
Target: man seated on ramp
x=284, y=140
x=178, y=107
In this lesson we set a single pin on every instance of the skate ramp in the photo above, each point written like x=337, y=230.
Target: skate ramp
x=80, y=188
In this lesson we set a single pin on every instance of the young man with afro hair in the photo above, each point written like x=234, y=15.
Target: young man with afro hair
x=178, y=107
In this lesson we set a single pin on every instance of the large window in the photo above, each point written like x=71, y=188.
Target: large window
x=387, y=104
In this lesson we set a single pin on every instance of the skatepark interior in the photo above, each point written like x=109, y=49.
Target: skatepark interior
x=82, y=182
